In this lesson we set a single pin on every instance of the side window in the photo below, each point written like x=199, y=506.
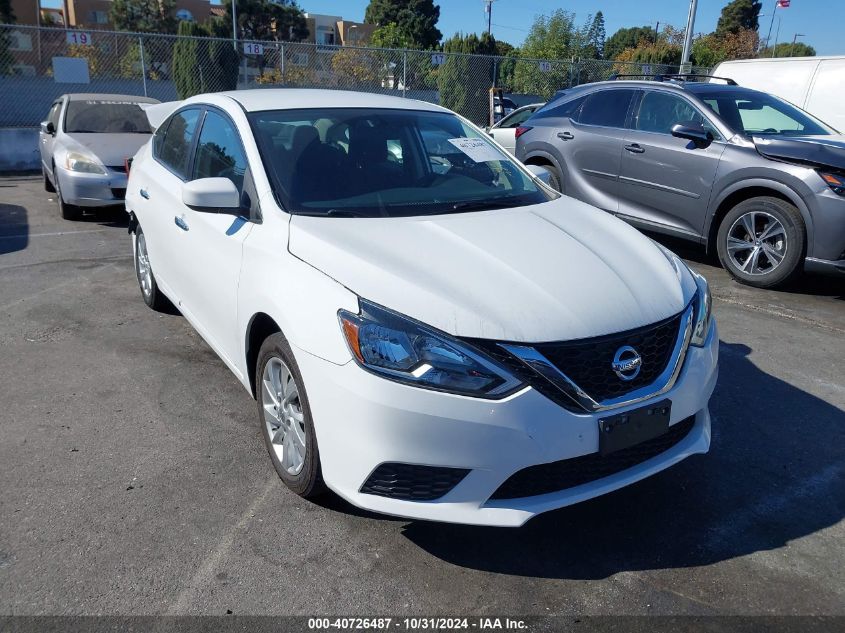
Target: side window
x=219, y=151
x=607, y=108
x=659, y=111
x=568, y=109
x=174, y=146
x=516, y=119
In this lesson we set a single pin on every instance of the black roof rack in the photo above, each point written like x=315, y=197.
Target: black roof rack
x=680, y=76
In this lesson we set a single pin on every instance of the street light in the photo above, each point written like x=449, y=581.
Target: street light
x=693, y=6
x=794, y=37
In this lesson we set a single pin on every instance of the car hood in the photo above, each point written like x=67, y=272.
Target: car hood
x=111, y=149
x=815, y=151
x=561, y=270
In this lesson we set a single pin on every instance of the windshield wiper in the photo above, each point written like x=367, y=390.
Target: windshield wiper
x=480, y=205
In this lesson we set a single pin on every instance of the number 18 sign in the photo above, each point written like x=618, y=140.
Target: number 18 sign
x=252, y=48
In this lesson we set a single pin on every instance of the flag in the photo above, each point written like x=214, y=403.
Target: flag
x=783, y=4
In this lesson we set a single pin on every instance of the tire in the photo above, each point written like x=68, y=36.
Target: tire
x=779, y=242
x=555, y=181
x=48, y=186
x=150, y=292
x=276, y=374
x=67, y=211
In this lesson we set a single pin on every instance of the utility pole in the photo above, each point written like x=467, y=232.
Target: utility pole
x=777, y=35
x=794, y=37
x=772, y=21
x=693, y=7
x=656, y=32
x=488, y=9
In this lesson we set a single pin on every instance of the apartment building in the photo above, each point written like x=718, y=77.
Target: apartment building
x=94, y=14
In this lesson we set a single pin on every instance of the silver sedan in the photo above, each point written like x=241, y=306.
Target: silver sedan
x=85, y=143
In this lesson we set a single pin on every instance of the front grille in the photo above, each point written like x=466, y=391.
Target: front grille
x=568, y=473
x=118, y=193
x=412, y=482
x=587, y=363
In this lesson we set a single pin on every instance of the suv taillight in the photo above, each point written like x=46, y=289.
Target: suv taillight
x=522, y=129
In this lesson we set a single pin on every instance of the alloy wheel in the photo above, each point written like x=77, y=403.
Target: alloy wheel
x=145, y=273
x=756, y=243
x=283, y=415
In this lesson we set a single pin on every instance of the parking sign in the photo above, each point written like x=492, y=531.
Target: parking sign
x=438, y=59
x=253, y=48
x=78, y=37
x=546, y=67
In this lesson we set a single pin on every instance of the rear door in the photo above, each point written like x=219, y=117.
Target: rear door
x=157, y=194
x=592, y=147
x=665, y=182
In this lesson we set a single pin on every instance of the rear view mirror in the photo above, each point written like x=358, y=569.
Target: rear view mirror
x=543, y=175
x=48, y=128
x=692, y=131
x=211, y=194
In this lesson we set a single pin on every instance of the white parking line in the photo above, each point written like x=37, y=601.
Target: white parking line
x=59, y=233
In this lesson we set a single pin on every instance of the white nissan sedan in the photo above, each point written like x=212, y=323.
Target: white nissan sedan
x=428, y=330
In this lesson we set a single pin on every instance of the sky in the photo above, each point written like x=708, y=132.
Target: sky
x=821, y=26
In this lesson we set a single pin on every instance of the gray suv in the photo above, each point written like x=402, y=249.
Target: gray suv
x=741, y=171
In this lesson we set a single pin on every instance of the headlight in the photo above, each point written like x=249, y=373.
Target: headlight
x=83, y=163
x=703, y=310
x=835, y=181
x=398, y=348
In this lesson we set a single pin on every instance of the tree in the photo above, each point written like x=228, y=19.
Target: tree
x=7, y=15
x=464, y=82
x=416, y=18
x=356, y=68
x=785, y=49
x=280, y=20
x=188, y=53
x=391, y=36
x=627, y=38
x=551, y=37
x=144, y=16
x=202, y=65
x=713, y=49
x=596, y=35
x=739, y=15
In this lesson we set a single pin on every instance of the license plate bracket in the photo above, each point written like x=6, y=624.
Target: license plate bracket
x=634, y=427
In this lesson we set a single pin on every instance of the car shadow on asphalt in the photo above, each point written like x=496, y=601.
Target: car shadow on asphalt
x=775, y=473
x=14, y=228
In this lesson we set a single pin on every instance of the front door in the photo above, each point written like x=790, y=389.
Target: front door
x=210, y=260
x=665, y=182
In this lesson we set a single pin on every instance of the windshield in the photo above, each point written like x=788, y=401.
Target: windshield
x=96, y=116
x=368, y=163
x=757, y=114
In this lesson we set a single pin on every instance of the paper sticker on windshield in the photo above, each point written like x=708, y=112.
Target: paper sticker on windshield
x=477, y=149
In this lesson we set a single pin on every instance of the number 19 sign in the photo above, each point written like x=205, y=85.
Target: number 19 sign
x=78, y=37
x=251, y=48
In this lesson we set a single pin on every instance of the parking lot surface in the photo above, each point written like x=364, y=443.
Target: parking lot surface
x=133, y=479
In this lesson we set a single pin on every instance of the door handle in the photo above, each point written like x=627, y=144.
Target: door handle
x=181, y=223
x=634, y=148
x=144, y=194
x=566, y=136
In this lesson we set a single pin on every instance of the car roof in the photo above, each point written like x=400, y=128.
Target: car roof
x=260, y=99
x=689, y=86
x=99, y=96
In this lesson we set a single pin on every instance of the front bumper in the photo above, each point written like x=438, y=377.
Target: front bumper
x=92, y=190
x=362, y=421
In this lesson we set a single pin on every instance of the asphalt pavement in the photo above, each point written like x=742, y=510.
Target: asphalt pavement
x=133, y=479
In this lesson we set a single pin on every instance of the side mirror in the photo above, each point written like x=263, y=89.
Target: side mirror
x=211, y=195
x=543, y=175
x=48, y=128
x=692, y=131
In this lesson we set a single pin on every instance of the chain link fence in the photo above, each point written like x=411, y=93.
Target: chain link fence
x=39, y=64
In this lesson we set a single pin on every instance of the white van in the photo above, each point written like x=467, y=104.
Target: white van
x=816, y=84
